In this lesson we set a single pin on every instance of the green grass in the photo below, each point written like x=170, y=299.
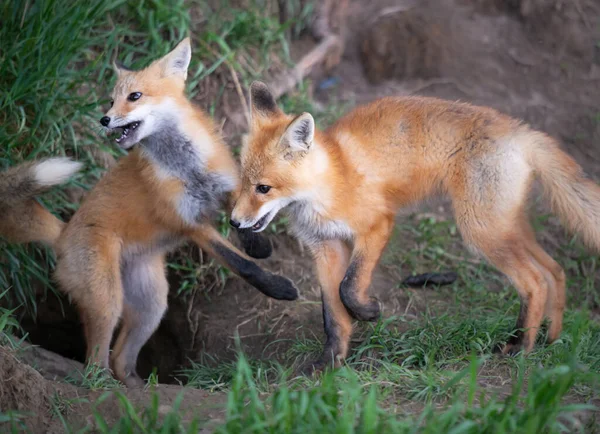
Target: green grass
x=55, y=86
x=13, y=421
x=148, y=420
x=342, y=403
x=429, y=370
x=93, y=377
x=417, y=357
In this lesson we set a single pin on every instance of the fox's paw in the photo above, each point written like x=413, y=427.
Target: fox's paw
x=280, y=288
x=315, y=368
x=255, y=245
x=509, y=349
x=311, y=368
x=370, y=311
x=131, y=381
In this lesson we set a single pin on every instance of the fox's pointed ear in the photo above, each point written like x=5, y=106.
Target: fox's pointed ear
x=262, y=101
x=299, y=135
x=119, y=68
x=178, y=60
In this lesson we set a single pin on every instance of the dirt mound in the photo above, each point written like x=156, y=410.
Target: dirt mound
x=401, y=43
x=559, y=25
x=22, y=388
x=41, y=399
x=430, y=39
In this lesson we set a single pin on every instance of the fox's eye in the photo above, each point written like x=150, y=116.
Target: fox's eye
x=134, y=96
x=112, y=102
x=263, y=189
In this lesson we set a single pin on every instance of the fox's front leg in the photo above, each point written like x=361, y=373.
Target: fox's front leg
x=331, y=259
x=354, y=289
x=256, y=245
x=272, y=285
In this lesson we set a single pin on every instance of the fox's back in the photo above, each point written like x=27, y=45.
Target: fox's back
x=401, y=142
x=397, y=127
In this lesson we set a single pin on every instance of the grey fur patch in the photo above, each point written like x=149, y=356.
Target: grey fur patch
x=145, y=287
x=139, y=282
x=175, y=154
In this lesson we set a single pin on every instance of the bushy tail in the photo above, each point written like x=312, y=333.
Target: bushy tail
x=22, y=219
x=574, y=198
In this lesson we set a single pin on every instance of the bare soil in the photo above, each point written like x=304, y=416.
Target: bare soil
x=538, y=60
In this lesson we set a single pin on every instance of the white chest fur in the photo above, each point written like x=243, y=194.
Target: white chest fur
x=310, y=226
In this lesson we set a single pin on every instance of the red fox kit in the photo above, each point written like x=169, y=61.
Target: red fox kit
x=111, y=254
x=342, y=188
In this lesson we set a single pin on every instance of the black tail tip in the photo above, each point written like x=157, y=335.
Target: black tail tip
x=430, y=279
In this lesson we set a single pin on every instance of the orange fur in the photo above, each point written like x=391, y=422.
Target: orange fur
x=348, y=182
x=111, y=254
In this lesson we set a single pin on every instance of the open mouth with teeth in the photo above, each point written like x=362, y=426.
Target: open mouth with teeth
x=262, y=223
x=127, y=137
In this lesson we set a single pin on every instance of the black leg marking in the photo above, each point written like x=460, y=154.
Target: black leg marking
x=516, y=341
x=255, y=245
x=331, y=350
x=272, y=285
x=348, y=288
x=517, y=338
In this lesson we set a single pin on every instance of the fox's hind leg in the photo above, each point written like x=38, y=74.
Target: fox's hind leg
x=489, y=196
x=146, y=288
x=555, y=276
x=92, y=278
x=508, y=243
x=354, y=288
x=510, y=253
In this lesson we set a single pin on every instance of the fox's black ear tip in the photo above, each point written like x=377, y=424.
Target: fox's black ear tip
x=258, y=85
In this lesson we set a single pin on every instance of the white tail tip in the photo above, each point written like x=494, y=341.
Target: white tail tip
x=55, y=170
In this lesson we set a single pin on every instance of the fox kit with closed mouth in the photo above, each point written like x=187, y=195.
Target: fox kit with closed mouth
x=111, y=254
x=342, y=188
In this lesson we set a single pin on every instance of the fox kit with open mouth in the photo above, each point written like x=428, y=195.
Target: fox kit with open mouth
x=111, y=254
x=342, y=188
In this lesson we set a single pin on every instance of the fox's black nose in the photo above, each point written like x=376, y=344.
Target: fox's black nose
x=105, y=121
x=233, y=223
